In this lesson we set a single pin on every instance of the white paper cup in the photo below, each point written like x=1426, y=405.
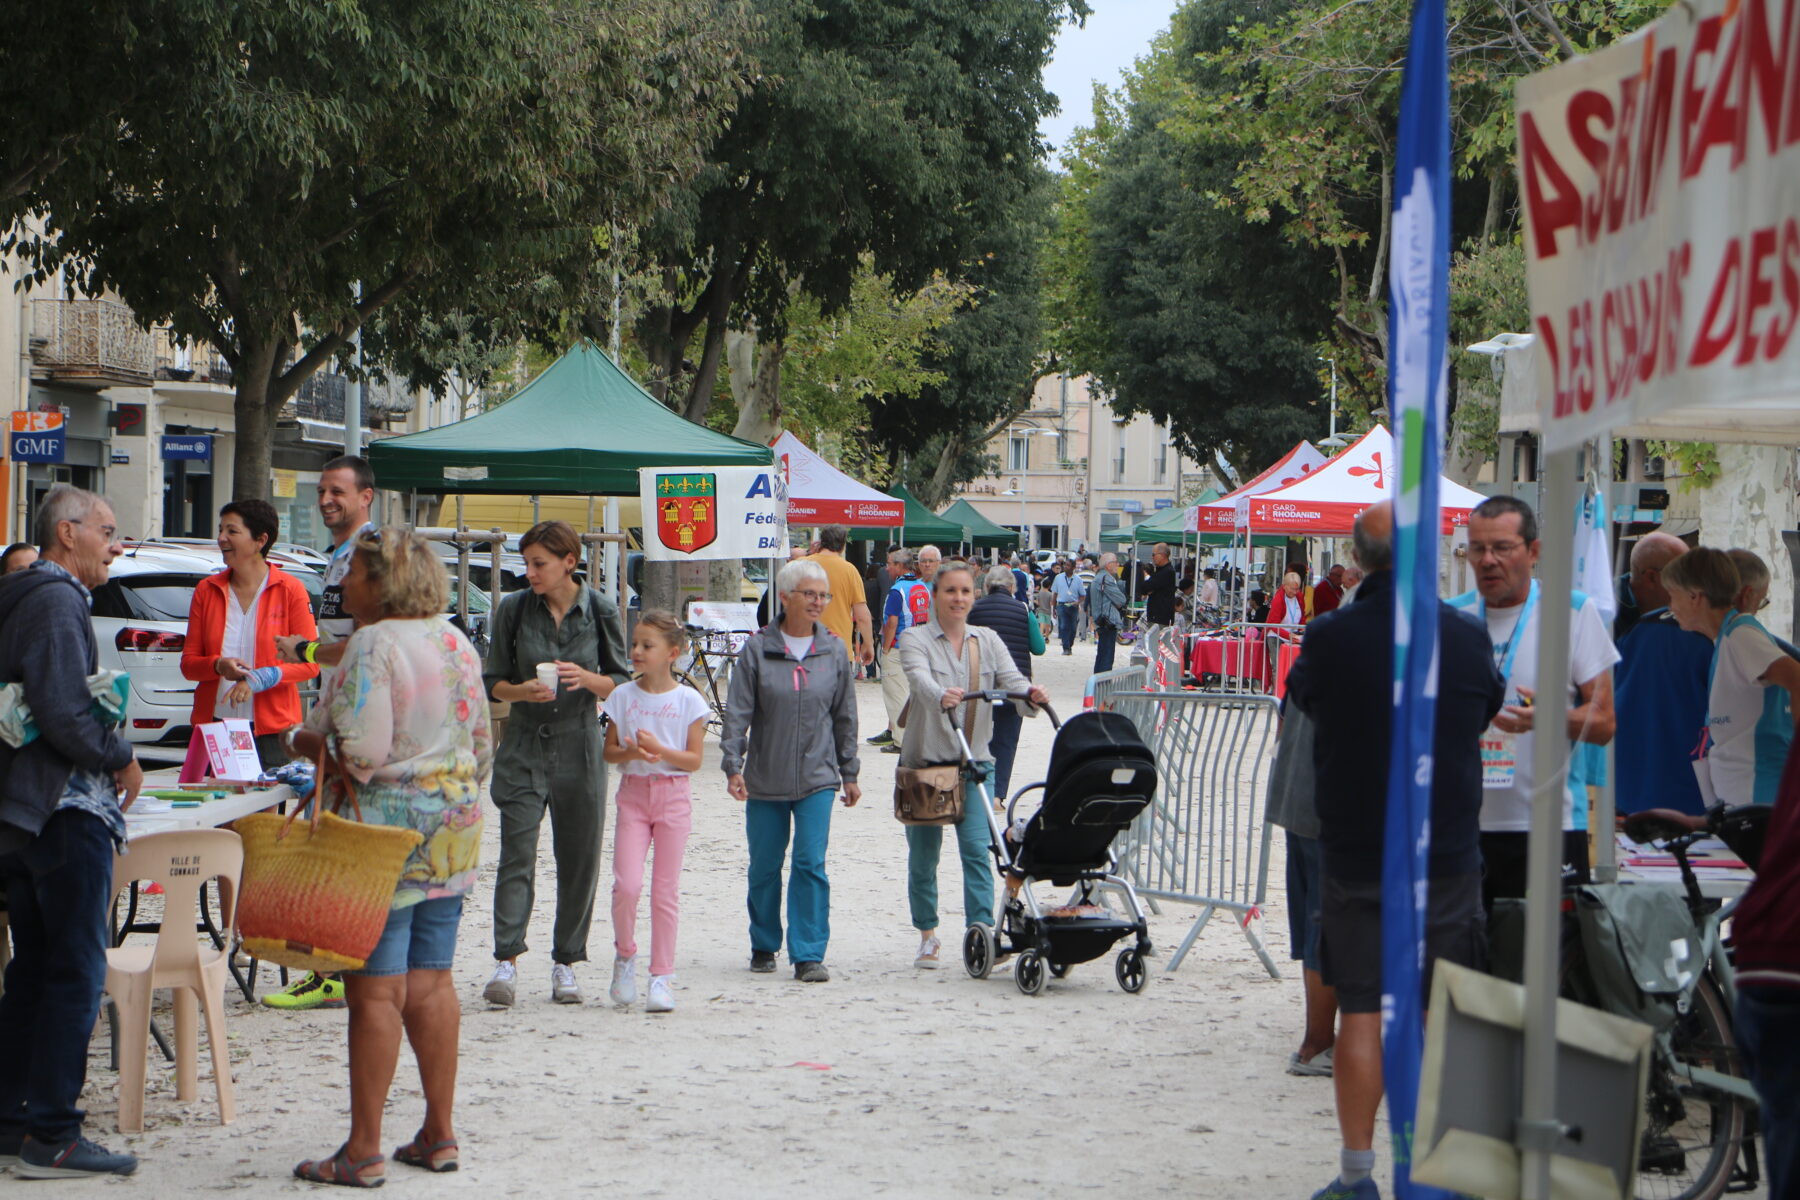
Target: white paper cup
x=546, y=675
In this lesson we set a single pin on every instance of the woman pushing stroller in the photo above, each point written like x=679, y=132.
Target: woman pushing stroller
x=939, y=658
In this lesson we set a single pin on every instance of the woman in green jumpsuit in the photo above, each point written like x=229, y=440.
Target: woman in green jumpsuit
x=550, y=757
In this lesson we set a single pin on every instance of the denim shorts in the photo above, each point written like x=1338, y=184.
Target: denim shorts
x=419, y=937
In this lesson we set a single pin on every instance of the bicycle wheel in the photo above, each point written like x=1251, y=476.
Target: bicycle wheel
x=715, y=703
x=1692, y=1134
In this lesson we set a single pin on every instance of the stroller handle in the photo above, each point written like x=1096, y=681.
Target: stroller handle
x=995, y=696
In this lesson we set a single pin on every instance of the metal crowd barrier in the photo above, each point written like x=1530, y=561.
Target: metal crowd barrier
x=1204, y=840
x=1104, y=685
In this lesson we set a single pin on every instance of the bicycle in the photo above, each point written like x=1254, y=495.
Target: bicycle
x=713, y=651
x=1699, y=1136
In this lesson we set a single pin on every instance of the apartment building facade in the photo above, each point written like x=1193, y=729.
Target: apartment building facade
x=1073, y=471
x=94, y=399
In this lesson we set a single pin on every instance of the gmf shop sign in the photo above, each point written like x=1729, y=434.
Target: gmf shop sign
x=717, y=512
x=1661, y=180
x=39, y=437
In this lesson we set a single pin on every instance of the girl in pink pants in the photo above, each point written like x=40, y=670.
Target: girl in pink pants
x=655, y=731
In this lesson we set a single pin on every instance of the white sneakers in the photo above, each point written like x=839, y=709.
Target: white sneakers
x=563, y=988
x=503, y=988
x=624, y=984
x=927, y=959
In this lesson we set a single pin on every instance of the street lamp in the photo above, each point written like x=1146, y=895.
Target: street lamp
x=1333, y=441
x=1024, y=537
x=1019, y=489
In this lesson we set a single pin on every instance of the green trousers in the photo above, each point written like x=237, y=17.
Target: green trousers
x=555, y=767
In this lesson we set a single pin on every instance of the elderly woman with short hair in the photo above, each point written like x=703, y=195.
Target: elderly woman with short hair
x=405, y=717
x=789, y=745
x=937, y=657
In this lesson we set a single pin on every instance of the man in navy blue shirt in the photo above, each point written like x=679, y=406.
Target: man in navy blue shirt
x=1660, y=691
x=1343, y=680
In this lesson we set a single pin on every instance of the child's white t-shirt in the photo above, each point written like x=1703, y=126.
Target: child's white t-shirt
x=666, y=715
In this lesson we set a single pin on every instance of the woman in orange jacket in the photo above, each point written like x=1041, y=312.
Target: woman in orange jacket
x=233, y=622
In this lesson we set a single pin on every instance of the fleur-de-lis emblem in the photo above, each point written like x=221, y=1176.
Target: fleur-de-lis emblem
x=1376, y=471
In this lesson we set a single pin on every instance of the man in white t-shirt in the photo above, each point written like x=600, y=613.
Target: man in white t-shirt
x=1503, y=550
x=346, y=494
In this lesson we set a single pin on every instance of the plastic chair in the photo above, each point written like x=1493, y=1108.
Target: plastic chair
x=180, y=860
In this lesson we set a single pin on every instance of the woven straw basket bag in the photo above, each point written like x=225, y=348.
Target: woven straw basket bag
x=316, y=895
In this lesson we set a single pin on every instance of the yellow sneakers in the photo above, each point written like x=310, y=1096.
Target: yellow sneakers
x=310, y=991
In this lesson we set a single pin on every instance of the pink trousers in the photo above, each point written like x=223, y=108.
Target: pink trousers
x=653, y=810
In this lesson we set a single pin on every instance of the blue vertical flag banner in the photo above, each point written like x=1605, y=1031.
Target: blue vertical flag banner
x=1418, y=341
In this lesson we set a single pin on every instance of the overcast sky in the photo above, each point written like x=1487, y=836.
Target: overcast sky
x=1116, y=35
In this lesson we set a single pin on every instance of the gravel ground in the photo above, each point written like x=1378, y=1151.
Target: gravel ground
x=887, y=1080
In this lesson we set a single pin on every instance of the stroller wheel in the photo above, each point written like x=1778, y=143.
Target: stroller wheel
x=1130, y=970
x=978, y=951
x=1059, y=970
x=1028, y=973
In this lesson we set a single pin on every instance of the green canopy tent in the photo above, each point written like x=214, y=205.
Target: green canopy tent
x=982, y=533
x=922, y=525
x=581, y=428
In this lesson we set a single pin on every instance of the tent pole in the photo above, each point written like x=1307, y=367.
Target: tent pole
x=1538, y=1128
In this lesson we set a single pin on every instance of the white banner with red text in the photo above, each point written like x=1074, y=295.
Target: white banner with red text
x=1661, y=184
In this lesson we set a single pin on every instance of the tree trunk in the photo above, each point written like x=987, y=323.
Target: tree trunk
x=935, y=490
x=251, y=477
x=1750, y=503
x=1473, y=423
x=755, y=385
x=712, y=352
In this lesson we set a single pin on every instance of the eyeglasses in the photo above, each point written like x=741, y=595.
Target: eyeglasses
x=815, y=597
x=109, y=532
x=1497, y=549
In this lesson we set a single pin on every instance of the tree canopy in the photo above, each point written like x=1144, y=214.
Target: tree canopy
x=885, y=127
x=346, y=156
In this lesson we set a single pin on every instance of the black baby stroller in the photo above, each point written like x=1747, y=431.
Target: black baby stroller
x=1101, y=777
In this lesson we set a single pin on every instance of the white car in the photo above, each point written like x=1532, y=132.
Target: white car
x=140, y=621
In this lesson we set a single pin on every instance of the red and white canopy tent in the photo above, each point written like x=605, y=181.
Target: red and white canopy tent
x=1296, y=464
x=820, y=494
x=1326, y=502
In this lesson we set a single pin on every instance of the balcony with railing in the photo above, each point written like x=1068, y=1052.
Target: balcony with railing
x=198, y=365
x=92, y=343
x=321, y=398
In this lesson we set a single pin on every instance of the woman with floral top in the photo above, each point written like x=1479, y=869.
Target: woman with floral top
x=405, y=717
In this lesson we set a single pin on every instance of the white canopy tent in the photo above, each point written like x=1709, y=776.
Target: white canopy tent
x=820, y=494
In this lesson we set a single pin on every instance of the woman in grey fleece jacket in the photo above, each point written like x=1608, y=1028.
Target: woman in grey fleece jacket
x=789, y=745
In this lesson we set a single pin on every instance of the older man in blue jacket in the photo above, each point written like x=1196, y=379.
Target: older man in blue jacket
x=63, y=793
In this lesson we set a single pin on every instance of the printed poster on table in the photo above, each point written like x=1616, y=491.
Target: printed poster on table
x=714, y=512
x=231, y=751
x=1661, y=185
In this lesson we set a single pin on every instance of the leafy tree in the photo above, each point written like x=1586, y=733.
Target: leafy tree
x=1209, y=324
x=889, y=127
x=71, y=84
x=984, y=361
x=463, y=151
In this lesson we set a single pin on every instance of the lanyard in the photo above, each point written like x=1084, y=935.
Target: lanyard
x=1512, y=639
